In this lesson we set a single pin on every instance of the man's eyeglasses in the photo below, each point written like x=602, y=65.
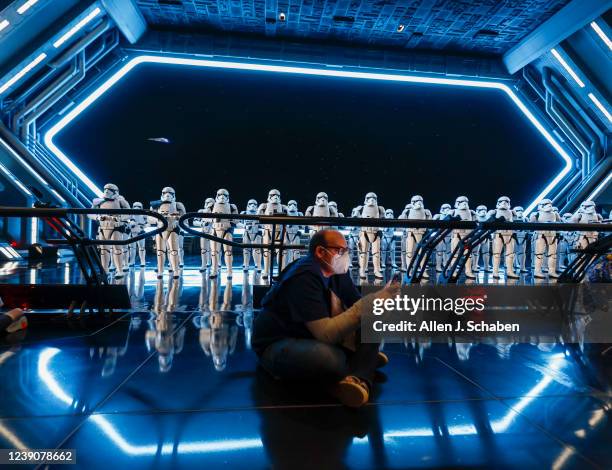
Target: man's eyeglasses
x=339, y=249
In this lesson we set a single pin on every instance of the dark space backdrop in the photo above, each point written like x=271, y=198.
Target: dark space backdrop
x=252, y=131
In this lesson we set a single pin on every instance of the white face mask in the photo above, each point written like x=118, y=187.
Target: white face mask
x=339, y=263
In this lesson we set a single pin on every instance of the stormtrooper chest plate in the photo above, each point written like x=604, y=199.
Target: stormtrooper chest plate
x=370, y=212
x=166, y=208
x=273, y=208
x=415, y=214
x=321, y=211
x=504, y=213
x=464, y=214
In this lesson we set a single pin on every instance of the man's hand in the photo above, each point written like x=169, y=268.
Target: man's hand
x=390, y=290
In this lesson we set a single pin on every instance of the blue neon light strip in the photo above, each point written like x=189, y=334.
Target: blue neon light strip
x=325, y=72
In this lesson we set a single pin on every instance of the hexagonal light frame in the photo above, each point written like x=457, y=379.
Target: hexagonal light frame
x=301, y=70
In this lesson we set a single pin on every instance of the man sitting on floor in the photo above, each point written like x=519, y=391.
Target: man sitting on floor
x=309, y=328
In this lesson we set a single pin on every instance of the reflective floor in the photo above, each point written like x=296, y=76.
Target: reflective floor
x=174, y=384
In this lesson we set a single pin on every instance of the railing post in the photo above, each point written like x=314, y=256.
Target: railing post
x=272, y=253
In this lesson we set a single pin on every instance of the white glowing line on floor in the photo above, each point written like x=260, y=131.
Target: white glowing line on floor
x=600, y=32
x=567, y=68
x=325, y=72
x=600, y=106
x=498, y=426
x=76, y=28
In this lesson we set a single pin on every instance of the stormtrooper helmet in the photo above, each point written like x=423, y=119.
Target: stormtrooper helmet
x=334, y=205
x=252, y=205
x=274, y=196
x=567, y=217
x=588, y=207
x=518, y=210
x=503, y=203
x=416, y=202
x=209, y=203
x=371, y=199
x=111, y=191
x=137, y=205
x=321, y=199
x=481, y=210
x=545, y=205
x=462, y=203
x=167, y=194
x=389, y=214
x=445, y=209
x=222, y=196
x=292, y=206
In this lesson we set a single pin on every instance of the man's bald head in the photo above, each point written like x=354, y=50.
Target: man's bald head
x=326, y=238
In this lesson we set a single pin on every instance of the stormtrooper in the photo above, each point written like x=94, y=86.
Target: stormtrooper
x=164, y=334
x=483, y=250
x=111, y=227
x=333, y=207
x=404, y=232
x=462, y=210
x=415, y=211
x=292, y=234
x=567, y=241
x=545, y=242
x=167, y=242
x=370, y=237
x=273, y=206
x=388, y=243
x=520, y=243
x=222, y=228
x=443, y=248
x=321, y=208
x=252, y=235
x=205, y=227
x=217, y=333
x=503, y=240
x=137, y=226
x=353, y=238
x=586, y=214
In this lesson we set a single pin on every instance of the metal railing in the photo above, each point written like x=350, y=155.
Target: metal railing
x=436, y=232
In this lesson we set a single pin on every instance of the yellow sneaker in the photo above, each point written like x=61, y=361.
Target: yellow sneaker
x=351, y=392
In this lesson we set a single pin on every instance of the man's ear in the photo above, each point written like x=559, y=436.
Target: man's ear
x=319, y=252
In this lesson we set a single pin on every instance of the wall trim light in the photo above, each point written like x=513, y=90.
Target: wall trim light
x=600, y=106
x=22, y=73
x=77, y=27
x=300, y=70
x=4, y=24
x=26, y=6
x=600, y=32
x=567, y=68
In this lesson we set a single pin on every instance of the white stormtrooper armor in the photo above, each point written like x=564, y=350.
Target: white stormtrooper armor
x=321, y=208
x=520, y=244
x=222, y=228
x=353, y=239
x=205, y=227
x=415, y=211
x=167, y=242
x=137, y=226
x=162, y=333
x=333, y=207
x=443, y=248
x=292, y=234
x=273, y=206
x=388, y=243
x=567, y=241
x=370, y=237
x=252, y=235
x=483, y=250
x=111, y=227
x=545, y=242
x=503, y=240
x=218, y=338
x=587, y=214
x=463, y=211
